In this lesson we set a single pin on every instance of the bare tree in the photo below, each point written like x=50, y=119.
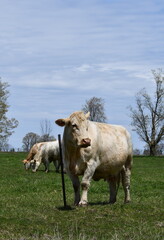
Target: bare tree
x=148, y=117
x=6, y=125
x=46, y=131
x=29, y=140
x=96, y=108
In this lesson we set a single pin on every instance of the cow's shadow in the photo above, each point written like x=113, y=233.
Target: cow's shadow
x=66, y=208
x=71, y=208
x=98, y=203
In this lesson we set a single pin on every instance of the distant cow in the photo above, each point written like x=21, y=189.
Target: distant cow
x=96, y=150
x=33, y=151
x=48, y=152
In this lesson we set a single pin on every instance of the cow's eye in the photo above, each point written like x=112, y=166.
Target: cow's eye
x=74, y=126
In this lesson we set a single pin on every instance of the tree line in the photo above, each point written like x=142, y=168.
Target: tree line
x=46, y=135
x=147, y=118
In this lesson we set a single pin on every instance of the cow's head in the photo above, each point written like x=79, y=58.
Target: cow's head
x=76, y=129
x=33, y=165
x=27, y=164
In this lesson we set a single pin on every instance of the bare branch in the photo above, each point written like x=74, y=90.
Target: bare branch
x=148, y=118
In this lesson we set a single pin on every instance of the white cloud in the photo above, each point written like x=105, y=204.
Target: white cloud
x=84, y=68
x=121, y=78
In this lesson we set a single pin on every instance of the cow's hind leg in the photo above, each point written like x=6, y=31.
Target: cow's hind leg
x=56, y=165
x=113, y=189
x=125, y=173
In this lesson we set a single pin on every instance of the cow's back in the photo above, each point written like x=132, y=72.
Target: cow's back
x=51, y=150
x=114, y=139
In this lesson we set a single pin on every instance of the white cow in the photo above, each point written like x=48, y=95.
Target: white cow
x=33, y=151
x=96, y=150
x=49, y=152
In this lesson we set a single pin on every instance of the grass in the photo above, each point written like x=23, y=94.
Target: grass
x=31, y=205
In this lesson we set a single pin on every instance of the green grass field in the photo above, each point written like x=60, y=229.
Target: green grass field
x=31, y=205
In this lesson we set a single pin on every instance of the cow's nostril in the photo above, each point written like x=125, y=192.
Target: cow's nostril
x=86, y=141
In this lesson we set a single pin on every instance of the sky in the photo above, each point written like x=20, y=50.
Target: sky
x=56, y=54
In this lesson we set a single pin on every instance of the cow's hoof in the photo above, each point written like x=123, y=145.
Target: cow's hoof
x=83, y=203
x=76, y=204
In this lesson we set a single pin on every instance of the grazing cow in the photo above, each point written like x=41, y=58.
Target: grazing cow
x=33, y=151
x=96, y=150
x=49, y=152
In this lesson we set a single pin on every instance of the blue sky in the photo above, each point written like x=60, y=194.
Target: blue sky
x=56, y=54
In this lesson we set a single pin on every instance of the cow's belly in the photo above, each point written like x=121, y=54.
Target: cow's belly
x=104, y=172
x=110, y=167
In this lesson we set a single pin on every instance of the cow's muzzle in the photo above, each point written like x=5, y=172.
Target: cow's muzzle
x=86, y=142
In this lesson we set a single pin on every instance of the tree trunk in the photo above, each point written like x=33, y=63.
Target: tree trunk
x=152, y=150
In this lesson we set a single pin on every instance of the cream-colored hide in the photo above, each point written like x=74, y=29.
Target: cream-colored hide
x=96, y=150
x=33, y=151
x=48, y=153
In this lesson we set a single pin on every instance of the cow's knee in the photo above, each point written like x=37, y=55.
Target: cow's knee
x=84, y=185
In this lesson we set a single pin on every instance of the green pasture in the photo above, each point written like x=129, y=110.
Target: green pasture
x=31, y=205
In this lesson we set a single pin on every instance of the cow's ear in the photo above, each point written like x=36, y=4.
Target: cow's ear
x=87, y=115
x=61, y=122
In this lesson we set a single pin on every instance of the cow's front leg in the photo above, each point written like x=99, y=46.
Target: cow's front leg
x=34, y=165
x=47, y=167
x=46, y=163
x=85, y=183
x=76, y=187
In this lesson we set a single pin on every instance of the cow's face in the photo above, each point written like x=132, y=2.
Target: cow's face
x=76, y=129
x=27, y=164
